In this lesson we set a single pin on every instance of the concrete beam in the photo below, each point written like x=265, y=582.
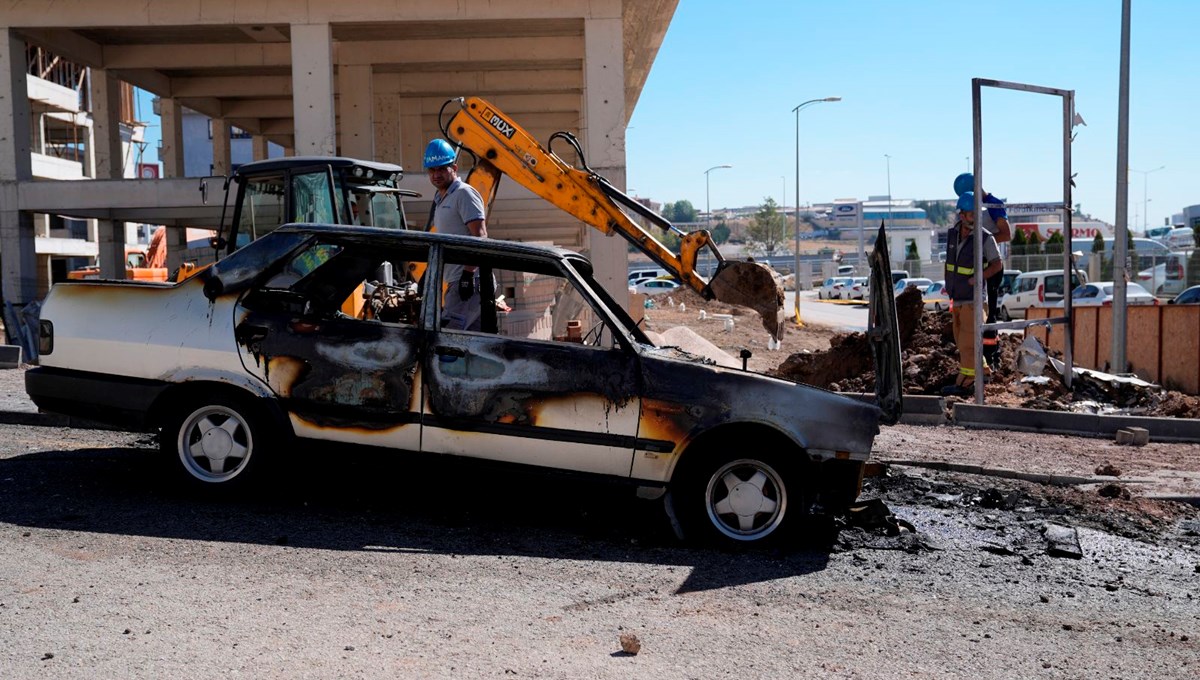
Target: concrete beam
x=232, y=86
x=257, y=108
x=487, y=84
x=171, y=57
x=312, y=77
x=473, y=50
x=209, y=106
x=67, y=44
x=160, y=201
x=152, y=14
x=147, y=79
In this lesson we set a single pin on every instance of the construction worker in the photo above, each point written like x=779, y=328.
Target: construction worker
x=457, y=209
x=995, y=222
x=960, y=285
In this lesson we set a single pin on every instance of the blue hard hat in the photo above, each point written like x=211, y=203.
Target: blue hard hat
x=966, y=202
x=964, y=183
x=439, y=154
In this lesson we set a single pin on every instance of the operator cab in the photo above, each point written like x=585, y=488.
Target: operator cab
x=316, y=189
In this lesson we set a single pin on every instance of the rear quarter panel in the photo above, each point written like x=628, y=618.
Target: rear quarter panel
x=161, y=332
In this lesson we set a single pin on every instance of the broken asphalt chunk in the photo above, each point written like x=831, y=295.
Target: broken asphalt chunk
x=1062, y=541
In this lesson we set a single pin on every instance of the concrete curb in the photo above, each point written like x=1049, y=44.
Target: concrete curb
x=926, y=410
x=1042, y=478
x=1186, y=430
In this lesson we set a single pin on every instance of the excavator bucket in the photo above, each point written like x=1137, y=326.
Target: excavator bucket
x=753, y=285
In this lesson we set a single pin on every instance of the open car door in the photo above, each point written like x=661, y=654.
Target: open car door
x=883, y=329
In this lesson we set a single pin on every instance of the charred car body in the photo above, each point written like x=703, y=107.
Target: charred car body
x=254, y=351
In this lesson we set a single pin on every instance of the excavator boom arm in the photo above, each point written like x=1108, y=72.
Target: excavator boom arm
x=509, y=149
x=503, y=147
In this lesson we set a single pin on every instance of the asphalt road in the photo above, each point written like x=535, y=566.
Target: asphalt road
x=379, y=566
x=827, y=313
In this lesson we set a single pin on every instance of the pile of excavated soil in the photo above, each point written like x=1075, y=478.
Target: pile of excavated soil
x=930, y=363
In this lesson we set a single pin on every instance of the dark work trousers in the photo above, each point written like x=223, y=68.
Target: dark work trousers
x=991, y=346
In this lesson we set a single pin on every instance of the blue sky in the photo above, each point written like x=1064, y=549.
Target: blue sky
x=728, y=75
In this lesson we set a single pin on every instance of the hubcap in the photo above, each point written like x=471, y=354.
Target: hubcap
x=746, y=500
x=215, y=444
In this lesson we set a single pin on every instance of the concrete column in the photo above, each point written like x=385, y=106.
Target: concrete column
x=222, y=149
x=411, y=138
x=172, y=157
x=603, y=133
x=258, y=148
x=312, y=89
x=109, y=164
x=356, y=111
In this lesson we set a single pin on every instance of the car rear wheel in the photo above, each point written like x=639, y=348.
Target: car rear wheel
x=215, y=441
x=738, y=500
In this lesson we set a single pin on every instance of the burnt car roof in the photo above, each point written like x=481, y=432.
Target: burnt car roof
x=273, y=164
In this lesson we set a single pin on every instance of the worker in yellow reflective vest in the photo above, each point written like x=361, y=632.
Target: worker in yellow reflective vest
x=960, y=285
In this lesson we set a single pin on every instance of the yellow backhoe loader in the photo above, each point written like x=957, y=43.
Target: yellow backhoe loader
x=500, y=146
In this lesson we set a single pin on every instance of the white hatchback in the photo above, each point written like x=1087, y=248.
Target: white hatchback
x=1035, y=289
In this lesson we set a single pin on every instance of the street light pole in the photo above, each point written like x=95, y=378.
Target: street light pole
x=796, y=268
x=1145, y=193
x=707, y=201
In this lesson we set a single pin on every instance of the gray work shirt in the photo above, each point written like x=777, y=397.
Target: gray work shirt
x=460, y=205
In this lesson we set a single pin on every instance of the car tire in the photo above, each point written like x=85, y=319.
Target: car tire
x=937, y=306
x=820, y=295
x=738, y=500
x=216, y=441
x=1004, y=315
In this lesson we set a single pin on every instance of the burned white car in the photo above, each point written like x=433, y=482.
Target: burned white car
x=323, y=332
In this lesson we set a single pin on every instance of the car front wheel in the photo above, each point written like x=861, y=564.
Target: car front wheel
x=738, y=501
x=216, y=441
x=1004, y=315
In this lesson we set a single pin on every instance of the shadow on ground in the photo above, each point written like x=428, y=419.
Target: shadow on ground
x=367, y=501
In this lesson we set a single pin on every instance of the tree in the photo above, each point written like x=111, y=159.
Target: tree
x=684, y=212
x=768, y=228
x=721, y=232
x=668, y=212
x=912, y=258
x=1054, y=244
x=1098, y=243
x=938, y=212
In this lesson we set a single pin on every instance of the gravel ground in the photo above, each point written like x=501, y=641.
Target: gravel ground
x=370, y=565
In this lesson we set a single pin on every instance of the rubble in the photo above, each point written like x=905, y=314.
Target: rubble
x=930, y=363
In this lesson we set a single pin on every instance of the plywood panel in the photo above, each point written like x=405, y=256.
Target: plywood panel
x=1181, y=348
x=1084, y=339
x=1141, y=341
x=1103, y=321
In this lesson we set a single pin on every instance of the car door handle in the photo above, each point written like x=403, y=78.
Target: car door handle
x=250, y=333
x=455, y=352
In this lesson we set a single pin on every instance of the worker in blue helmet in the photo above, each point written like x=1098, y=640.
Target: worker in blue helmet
x=995, y=222
x=457, y=209
x=961, y=241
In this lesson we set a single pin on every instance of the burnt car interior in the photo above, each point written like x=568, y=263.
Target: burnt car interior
x=521, y=296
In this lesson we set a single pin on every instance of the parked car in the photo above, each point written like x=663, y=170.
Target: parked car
x=898, y=274
x=936, y=297
x=919, y=284
x=655, y=287
x=253, y=353
x=1041, y=288
x=859, y=289
x=1167, y=278
x=1100, y=294
x=1190, y=296
x=1157, y=233
x=1180, y=238
x=845, y=270
x=831, y=289
x=1149, y=253
x=639, y=275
